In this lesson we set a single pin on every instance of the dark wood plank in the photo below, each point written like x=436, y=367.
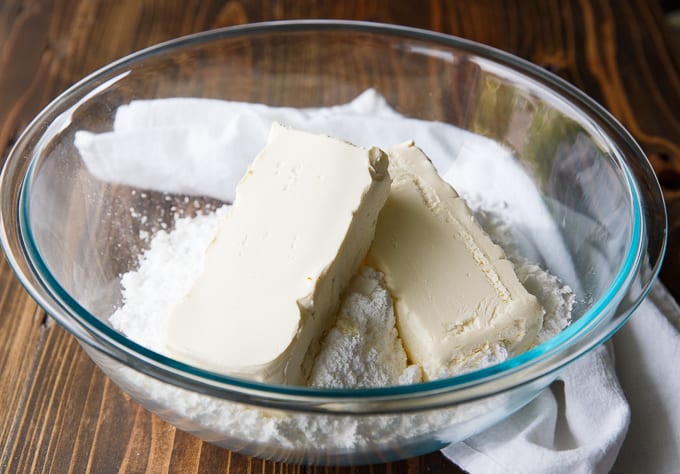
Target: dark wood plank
x=60, y=413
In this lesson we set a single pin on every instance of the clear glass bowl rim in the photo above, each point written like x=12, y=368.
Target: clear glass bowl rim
x=544, y=360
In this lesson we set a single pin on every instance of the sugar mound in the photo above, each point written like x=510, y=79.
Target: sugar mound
x=363, y=349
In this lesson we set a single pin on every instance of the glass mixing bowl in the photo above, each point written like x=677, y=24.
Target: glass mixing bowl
x=69, y=236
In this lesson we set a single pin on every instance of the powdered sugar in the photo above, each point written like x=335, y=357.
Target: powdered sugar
x=363, y=349
x=167, y=271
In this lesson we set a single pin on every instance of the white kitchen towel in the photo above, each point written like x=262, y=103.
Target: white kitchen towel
x=578, y=425
x=648, y=365
x=575, y=427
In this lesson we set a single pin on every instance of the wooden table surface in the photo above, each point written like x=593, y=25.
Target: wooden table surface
x=58, y=412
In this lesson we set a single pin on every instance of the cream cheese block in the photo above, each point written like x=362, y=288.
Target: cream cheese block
x=303, y=218
x=456, y=295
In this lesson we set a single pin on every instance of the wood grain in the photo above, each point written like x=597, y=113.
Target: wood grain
x=59, y=412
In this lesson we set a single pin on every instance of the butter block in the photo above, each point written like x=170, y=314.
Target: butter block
x=456, y=295
x=303, y=218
